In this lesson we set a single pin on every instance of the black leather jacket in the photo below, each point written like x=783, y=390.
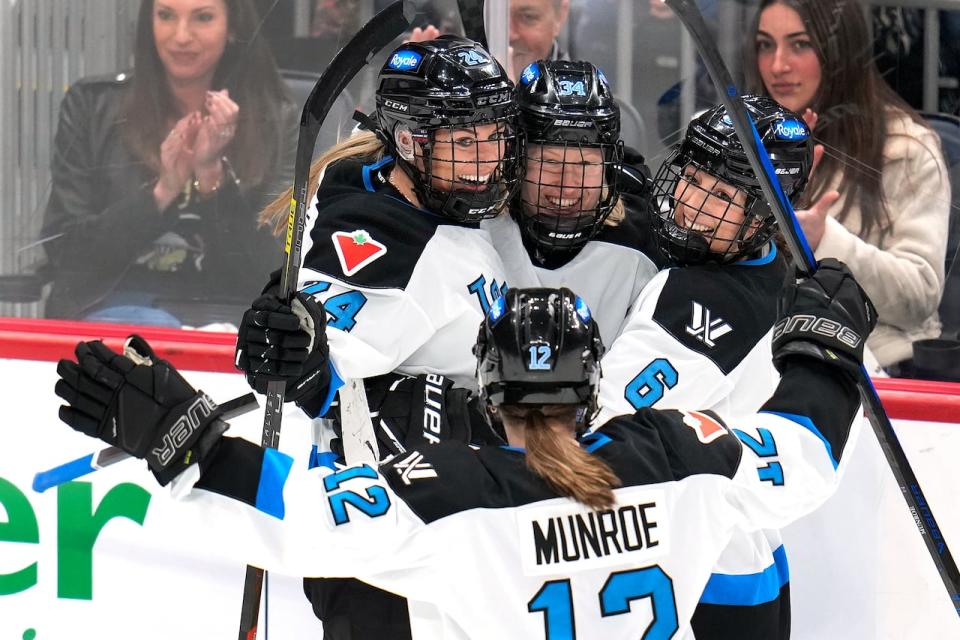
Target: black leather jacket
x=108, y=244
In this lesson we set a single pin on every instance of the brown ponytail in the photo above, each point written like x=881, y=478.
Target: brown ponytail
x=555, y=456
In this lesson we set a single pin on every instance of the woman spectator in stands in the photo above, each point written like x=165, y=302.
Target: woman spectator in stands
x=881, y=189
x=158, y=175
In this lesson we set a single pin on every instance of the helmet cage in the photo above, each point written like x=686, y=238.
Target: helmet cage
x=450, y=84
x=546, y=217
x=706, y=236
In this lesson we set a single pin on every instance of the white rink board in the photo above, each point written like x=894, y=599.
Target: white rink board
x=858, y=567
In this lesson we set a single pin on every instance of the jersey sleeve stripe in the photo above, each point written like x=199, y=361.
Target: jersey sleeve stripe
x=749, y=589
x=273, y=476
x=808, y=424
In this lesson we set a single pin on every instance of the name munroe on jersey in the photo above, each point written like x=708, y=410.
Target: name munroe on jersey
x=559, y=535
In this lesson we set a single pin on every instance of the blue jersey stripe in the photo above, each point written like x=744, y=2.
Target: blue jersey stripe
x=368, y=168
x=759, y=262
x=749, y=589
x=273, y=475
x=807, y=424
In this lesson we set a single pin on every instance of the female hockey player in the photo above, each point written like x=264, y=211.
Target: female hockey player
x=455, y=525
x=699, y=334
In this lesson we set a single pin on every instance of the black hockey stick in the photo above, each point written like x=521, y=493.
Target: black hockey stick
x=690, y=15
x=471, y=15
x=376, y=34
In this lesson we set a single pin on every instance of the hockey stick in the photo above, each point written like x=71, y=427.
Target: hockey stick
x=471, y=15
x=111, y=455
x=377, y=33
x=690, y=15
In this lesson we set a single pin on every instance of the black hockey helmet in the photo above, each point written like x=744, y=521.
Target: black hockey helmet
x=539, y=346
x=711, y=145
x=450, y=83
x=563, y=201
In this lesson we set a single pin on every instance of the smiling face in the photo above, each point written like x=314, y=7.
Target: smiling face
x=562, y=181
x=711, y=207
x=786, y=59
x=190, y=37
x=466, y=159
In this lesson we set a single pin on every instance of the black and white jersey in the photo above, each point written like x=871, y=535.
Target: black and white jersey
x=608, y=272
x=405, y=289
x=476, y=534
x=698, y=336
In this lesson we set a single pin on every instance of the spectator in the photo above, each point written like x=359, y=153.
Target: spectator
x=158, y=174
x=882, y=189
x=534, y=28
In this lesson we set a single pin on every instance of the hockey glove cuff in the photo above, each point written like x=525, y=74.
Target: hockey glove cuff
x=826, y=316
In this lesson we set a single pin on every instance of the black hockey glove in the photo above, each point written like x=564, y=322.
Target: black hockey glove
x=140, y=404
x=827, y=317
x=285, y=342
x=410, y=412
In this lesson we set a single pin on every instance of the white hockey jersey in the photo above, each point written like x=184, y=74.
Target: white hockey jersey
x=608, y=273
x=475, y=533
x=405, y=289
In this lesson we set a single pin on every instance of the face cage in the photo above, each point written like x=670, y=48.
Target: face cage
x=686, y=246
x=550, y=223
x=480, y=183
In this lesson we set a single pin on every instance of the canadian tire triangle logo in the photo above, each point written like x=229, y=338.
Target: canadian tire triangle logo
x=356, y=250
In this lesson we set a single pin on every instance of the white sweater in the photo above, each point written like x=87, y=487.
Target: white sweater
x=904, y=274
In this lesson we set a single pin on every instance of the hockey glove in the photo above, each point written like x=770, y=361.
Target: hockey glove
x=141, y=405
x=410, y=412
x=284, y=342
x=827, y=317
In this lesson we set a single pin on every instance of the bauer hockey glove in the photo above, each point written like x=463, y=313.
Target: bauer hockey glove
x=277, y=341
x=826, y=316
x=140, y=404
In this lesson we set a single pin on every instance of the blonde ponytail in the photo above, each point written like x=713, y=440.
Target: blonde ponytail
x=361, y=145
x=555, y=456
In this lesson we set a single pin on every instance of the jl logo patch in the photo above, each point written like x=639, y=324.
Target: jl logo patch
x=705, y=328
x=356, y=250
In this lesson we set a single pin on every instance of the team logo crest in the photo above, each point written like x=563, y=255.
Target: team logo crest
x=706, y=428
x=356, y=250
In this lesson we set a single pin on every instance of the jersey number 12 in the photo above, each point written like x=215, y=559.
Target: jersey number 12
x=555, y=600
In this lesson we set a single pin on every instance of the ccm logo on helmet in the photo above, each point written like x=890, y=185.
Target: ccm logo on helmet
x=405, y=60
x=790, y=130
x=396, y=106
x=495, y=98
x=811, y=324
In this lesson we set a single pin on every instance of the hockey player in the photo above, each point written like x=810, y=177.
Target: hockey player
x=628, y=553
x=568, y=226
x=700, y=333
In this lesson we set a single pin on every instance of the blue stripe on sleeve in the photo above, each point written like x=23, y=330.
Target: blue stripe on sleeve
x=335, y=383
x=807, y=424
x=322, y=459
x=749, y=589
x=274, y=471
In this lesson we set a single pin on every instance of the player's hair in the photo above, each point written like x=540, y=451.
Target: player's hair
x=555, y=456
x=361, y=145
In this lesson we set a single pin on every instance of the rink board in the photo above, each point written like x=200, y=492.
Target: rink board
x=858, y=567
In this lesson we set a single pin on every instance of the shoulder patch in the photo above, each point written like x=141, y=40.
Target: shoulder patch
x=356, y=249
x=707, y=428
x=720, y=312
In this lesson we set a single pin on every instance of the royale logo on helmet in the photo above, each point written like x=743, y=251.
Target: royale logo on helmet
x=790, y=130
x=405, y=60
